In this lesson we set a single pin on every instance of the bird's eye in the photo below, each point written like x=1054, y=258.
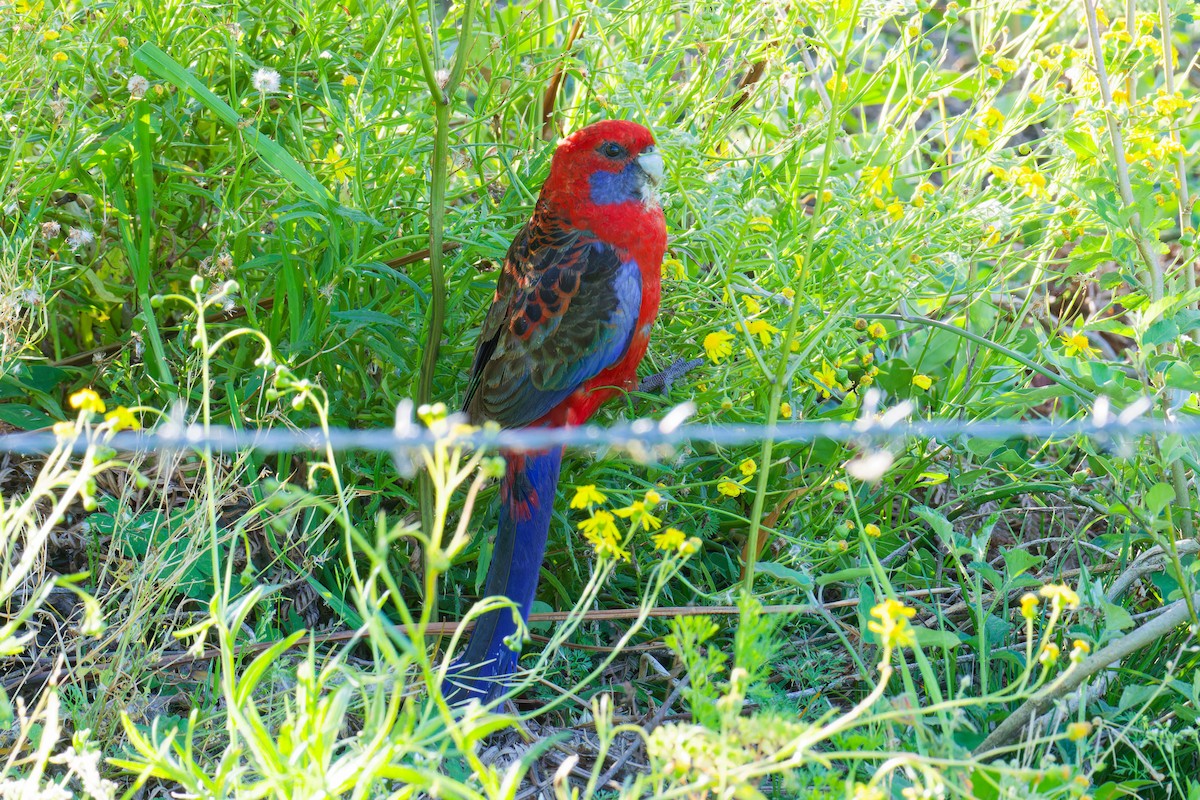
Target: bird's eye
x=612, y=150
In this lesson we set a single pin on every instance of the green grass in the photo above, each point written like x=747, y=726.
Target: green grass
x=949, y=206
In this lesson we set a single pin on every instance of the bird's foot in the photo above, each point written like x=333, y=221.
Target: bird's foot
x=663, y=380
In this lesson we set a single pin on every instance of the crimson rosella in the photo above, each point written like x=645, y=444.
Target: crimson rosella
x=569, y=323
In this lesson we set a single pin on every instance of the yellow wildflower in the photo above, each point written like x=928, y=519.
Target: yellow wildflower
x=826, y=379
x=752, y=304
x=50, y=35
x=923, y=189
x=670, y=539
x=841, y=486
x=1029, y=604
x=730, y=489
x=872, y=530
x=652, y=498
x=1167, y=105
x=979, y=137
x=1077, y=344
x=748, y=467
x=718, y=345
x=587, y=496
x=895, y=210
x=87, y=400
x=122, y=418
x=601, y=531
x=64, y=430
x=673, y=267
x=999, y=174
x=878, y=180
x=1120, y=97
x=762, y=329
x=893, y=628
x=59, y=57
x=876, y=330
x=788, y=292
x=1037, y=98
x=349, y=81
x=922, y=382
x=785, y=410
x=338, y=164
x=1049, y=653
x=992, y=118
x=1007, y=65
x=1078, y=730
x=1032, y=181
x=1059, y=595
x=639, y=514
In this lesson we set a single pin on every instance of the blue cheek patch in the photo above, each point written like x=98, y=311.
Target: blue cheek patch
x=608, y=188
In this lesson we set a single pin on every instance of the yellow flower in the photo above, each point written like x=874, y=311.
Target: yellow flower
x=1049, y=653
x=762, y=329
x=922, y=382
x=653, y=498
x=340, y=165
x=638, y=513
x=979, y=137
x=876, y=330
x=1101, y=16
x=1007, y=65
x=992, y=118
x=1037, y=98
x=1078, y=730
x=1000, y=174
x=718, y=345
x=673, y=267
x=50, y=36
x=788, y=292
x=121, y=42
x=893, y=628
x=601, y=530
x=59, y=57
x=841, y=486
x=1077, y=344
x=752, y=304
x=878, y=180
x=670, y=539
x=895, y=210
x=1059, y=595
x=64, y=430
x=587, y=496
x=826, y=379
x=1029, y=604
x=872, y=530
x=785, y=410
x=88, y=401
x=748, y=467
x=1167, y=105
x=923, y=189
x=730, y=489
x=1079, y=649
x=1032, y=181
x=864, y=792
x=1120, y=97
x=349, y=81
x=122, y=418
x=761, y=223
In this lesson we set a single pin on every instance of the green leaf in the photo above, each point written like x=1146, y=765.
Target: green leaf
x=786, y=574
x=1158, y=496
x=25, y=417
x=929, y=637
x=1019, y=561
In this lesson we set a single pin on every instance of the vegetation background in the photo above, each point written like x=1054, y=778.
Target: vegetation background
x=264, y=214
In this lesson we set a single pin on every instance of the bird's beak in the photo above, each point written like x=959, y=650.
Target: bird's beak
x=651, y=162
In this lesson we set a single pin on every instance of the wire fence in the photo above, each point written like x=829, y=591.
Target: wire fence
x=642, y=437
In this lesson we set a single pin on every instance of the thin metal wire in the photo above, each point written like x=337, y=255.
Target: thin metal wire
x=640, y=437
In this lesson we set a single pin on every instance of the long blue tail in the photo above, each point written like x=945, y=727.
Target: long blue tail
x=526, y=507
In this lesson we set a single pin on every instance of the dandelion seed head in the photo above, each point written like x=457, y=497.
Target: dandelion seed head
x=79, y=237
x=137, y=86
x=266, y=80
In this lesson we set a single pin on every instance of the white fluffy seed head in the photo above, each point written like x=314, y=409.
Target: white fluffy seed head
x=266, y=80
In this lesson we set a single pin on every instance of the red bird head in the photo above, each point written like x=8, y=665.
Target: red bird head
x=603, y=179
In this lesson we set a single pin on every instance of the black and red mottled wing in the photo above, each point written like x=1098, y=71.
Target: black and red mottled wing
x=565, y=309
